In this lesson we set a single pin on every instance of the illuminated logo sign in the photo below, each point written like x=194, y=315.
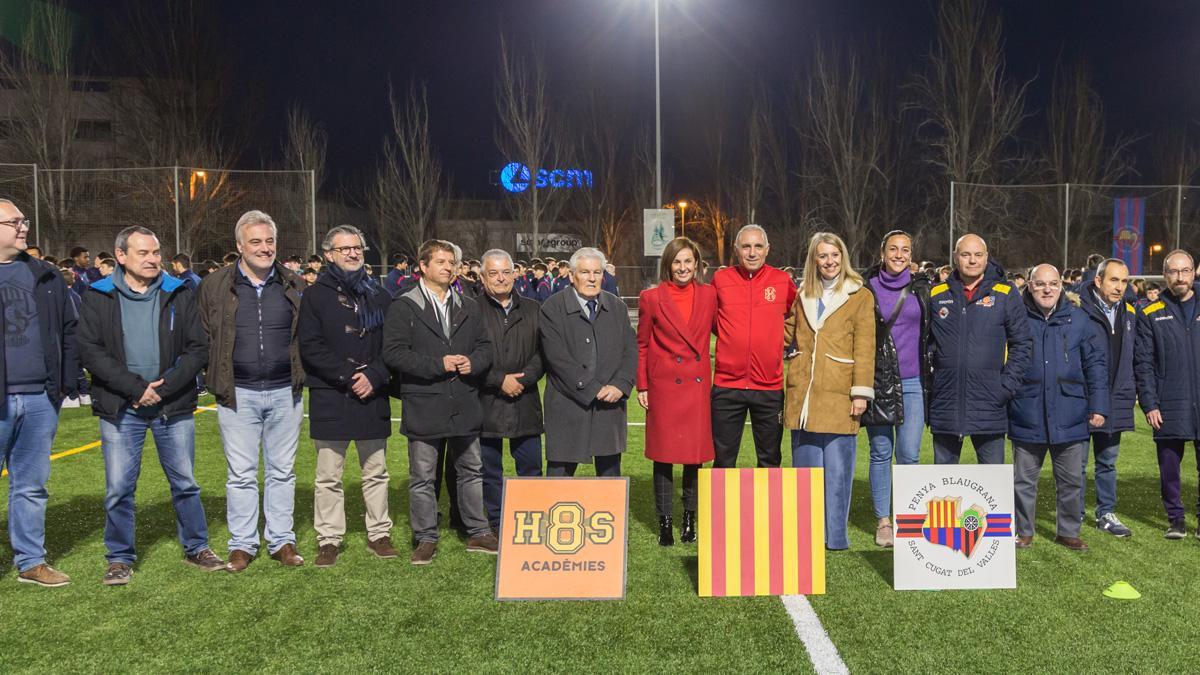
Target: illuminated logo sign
x=516, y=177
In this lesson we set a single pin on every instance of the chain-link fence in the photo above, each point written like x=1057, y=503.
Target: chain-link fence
x=1064, y=223
x=193, y=210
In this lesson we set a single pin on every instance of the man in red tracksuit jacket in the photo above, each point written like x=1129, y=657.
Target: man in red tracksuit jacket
x=753, y=299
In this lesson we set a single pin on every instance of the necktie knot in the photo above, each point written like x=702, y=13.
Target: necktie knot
x=591, y=307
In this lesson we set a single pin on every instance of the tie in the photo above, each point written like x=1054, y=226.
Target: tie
x=591, y=307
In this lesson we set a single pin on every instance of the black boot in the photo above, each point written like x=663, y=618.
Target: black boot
x=687, y=528
x=665, y=536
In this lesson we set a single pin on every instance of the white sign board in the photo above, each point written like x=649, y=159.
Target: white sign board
x=658, y=229
x=954, y=526
x=549, y=242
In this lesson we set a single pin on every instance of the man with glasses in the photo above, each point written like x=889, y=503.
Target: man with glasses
x=1167, y=369
x=1064, y=393
x=512, y=406
x=250, y=310
x=981, y=343
x=341, y=346
x=39, y=366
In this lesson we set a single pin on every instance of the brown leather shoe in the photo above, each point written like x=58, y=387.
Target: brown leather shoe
x=1073, y=543
x=327, y=555
x=45, y=576
x=1024, y=541
x=423, y=553
x=207, y=561
x=287, y=556
x=382, y=548
x=484, y=543
x=239, y=560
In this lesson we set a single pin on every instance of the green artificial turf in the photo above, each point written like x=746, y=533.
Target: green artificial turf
x=367, y=614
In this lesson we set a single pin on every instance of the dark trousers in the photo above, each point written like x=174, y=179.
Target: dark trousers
x=606, y=465
x=729, y=408
x=527, y=455
x=989, y=448
x=445, y=470
x=1170, y=459
x=664, y=487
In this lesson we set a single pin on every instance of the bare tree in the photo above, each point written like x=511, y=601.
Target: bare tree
x=530, y=133
x=173, y=116
x=45, y=123
x=849, y=131
x=970, y=111
x=403, y=198
x=601, y=209
x=1080, y=150
x=304, y=150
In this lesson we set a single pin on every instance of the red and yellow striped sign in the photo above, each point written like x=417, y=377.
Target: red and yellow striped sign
x=762, y=532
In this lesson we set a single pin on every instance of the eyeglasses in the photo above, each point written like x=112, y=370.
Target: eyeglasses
x=1183, y=272
x=1052, y=285
x=347, y=250
x=495, y=274
x=17, y=223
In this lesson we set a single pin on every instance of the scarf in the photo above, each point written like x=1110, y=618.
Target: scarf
x=360, y=286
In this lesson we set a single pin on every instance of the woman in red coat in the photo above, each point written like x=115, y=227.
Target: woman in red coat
x=675, y=319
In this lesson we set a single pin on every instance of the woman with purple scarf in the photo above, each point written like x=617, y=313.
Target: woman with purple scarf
x=902, y=309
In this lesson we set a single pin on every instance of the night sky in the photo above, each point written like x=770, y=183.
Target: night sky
x=336, y=58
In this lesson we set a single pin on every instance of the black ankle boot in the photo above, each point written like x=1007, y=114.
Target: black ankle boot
x=687, y=528
x=665, y=536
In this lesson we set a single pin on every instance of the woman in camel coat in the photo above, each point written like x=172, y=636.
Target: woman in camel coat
x=830, y=338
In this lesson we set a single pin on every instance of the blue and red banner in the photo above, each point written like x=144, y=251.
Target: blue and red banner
x=1129, y=231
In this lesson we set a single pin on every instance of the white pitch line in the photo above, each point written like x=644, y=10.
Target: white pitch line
x=821, y=650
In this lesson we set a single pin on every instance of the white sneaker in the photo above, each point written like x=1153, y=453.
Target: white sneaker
x=85, y=399
x=70, y=403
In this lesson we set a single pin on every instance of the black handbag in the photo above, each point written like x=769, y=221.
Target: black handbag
x=887, y=408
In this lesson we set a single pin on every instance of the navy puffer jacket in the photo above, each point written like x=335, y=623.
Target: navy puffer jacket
x=1166, y=364
x=979, y=352
x=1067, y=380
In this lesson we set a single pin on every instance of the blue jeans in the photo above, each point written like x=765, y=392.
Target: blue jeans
x=27, y=426
x=527, y=455
x=271, y=419
x=904, y=441
x=834, y=452
x=122, y=444
x=1106, y=446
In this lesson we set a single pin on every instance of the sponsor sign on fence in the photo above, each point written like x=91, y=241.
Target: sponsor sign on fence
x=563, y=539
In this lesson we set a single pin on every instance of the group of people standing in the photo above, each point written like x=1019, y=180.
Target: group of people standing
x=889, y=349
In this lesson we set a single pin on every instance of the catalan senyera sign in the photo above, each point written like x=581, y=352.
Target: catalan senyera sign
x=563, y=539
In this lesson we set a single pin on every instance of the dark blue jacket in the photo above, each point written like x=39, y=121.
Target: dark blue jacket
x=979, y=351
x=1067, y=380
x=183, y=349
x=543, y=289
x=609, y=283
x=190, y=279
x=560, y=283
x=1118, y=345
x=57, y=319
x=1166, y=363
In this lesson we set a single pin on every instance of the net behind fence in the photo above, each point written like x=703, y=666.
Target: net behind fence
x=1063, y=224
x=17, y=184
x=192, y=210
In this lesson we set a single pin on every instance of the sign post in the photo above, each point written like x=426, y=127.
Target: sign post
x=658, y=226
x=563, y=539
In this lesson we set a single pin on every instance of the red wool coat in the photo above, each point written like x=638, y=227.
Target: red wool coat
x=675, y=369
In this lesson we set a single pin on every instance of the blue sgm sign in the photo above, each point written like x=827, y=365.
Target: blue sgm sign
x=516, y=177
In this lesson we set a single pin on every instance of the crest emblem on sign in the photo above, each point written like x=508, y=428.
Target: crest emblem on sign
x=943, y=525
x=943, y=313
x=769, y=293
